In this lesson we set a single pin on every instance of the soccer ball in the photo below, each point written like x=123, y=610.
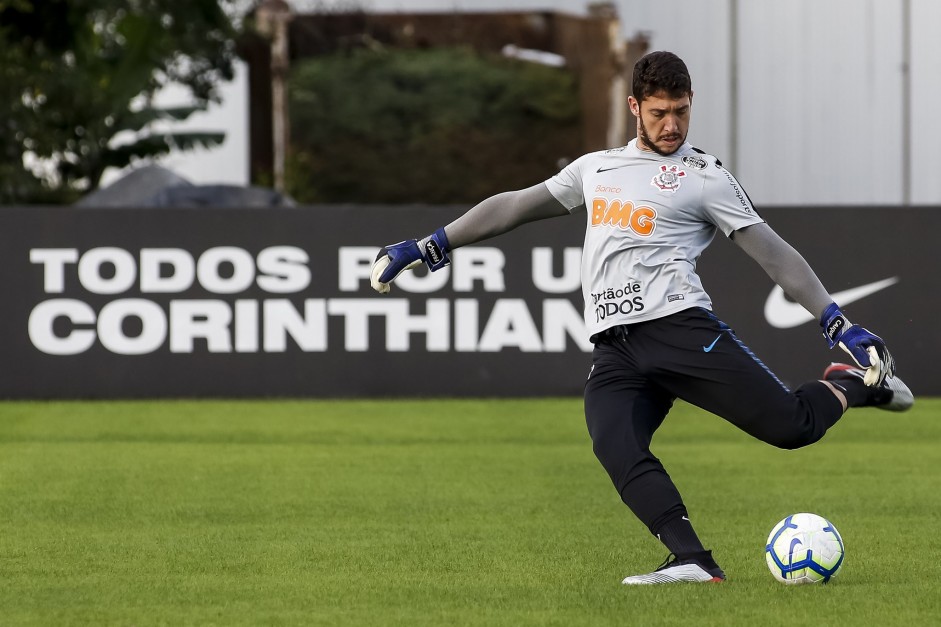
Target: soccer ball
x=804, y=548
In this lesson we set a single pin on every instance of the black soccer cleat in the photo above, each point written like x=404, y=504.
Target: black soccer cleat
x=676, y=570
x=892, y=395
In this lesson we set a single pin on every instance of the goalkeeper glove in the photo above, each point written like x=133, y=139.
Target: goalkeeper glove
x=867, y=349
x=394, y=259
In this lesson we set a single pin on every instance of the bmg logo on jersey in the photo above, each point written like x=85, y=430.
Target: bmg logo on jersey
x=642, y=220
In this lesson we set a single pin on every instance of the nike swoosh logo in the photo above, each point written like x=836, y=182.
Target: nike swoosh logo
x=617, y=167
x=707, y=349
x=784, y=314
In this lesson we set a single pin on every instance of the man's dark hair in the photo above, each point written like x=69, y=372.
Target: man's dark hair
x=661, y=71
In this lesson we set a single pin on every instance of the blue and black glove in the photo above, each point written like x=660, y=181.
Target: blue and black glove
x=392, y=260
x=867, y=349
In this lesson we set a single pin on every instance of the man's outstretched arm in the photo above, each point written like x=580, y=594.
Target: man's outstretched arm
x=489, y=218
x=790, y=270
x=784, y=265
x=504, y=212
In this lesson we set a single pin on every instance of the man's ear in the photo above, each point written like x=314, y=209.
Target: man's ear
x=634, y=105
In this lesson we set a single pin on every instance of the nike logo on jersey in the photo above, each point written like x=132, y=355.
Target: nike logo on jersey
x=617, y=167
x=784, y=314
x=707, y=349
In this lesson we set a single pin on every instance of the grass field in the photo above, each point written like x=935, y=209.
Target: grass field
x=439, y=513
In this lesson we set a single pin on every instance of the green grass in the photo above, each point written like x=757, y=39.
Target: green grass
x=439, y=513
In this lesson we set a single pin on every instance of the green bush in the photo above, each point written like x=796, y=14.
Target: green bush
x=431, y=126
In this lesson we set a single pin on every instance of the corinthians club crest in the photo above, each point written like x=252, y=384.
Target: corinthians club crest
x=668, y=179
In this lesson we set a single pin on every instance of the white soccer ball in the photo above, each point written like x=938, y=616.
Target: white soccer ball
x=804, y=548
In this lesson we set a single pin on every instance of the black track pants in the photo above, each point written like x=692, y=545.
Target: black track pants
x=637, y=372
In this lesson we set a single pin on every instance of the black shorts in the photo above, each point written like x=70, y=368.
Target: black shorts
x=694, y=356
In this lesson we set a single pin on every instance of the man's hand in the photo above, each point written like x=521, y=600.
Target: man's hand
x=867, y=349
x=394, y=259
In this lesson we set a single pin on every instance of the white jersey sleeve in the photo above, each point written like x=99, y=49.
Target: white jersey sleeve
x=725, y=203
x=566, y=186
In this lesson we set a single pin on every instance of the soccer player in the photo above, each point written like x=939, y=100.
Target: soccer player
x=651, y=208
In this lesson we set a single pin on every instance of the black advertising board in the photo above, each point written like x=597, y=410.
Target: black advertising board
x=156, y=303
x=880, y=263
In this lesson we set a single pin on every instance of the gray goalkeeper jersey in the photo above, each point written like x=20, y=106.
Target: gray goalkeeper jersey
x=649, y=217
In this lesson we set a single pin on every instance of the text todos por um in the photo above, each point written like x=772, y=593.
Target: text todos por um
x=133, y=325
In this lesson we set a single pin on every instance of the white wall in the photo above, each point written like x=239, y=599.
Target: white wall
x=818, y=116
x=819, y=109
x=818, y=80
x=926, y=96
x=228, y=163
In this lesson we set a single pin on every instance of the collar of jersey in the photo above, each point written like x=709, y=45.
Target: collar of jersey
x=684, y=150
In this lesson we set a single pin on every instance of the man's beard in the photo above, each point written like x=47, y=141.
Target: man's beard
x=646, y=137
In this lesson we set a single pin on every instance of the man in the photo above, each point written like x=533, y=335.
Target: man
x=652, y=207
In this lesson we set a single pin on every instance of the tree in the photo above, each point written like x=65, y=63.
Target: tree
x=77, y=78
x=439, y=125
